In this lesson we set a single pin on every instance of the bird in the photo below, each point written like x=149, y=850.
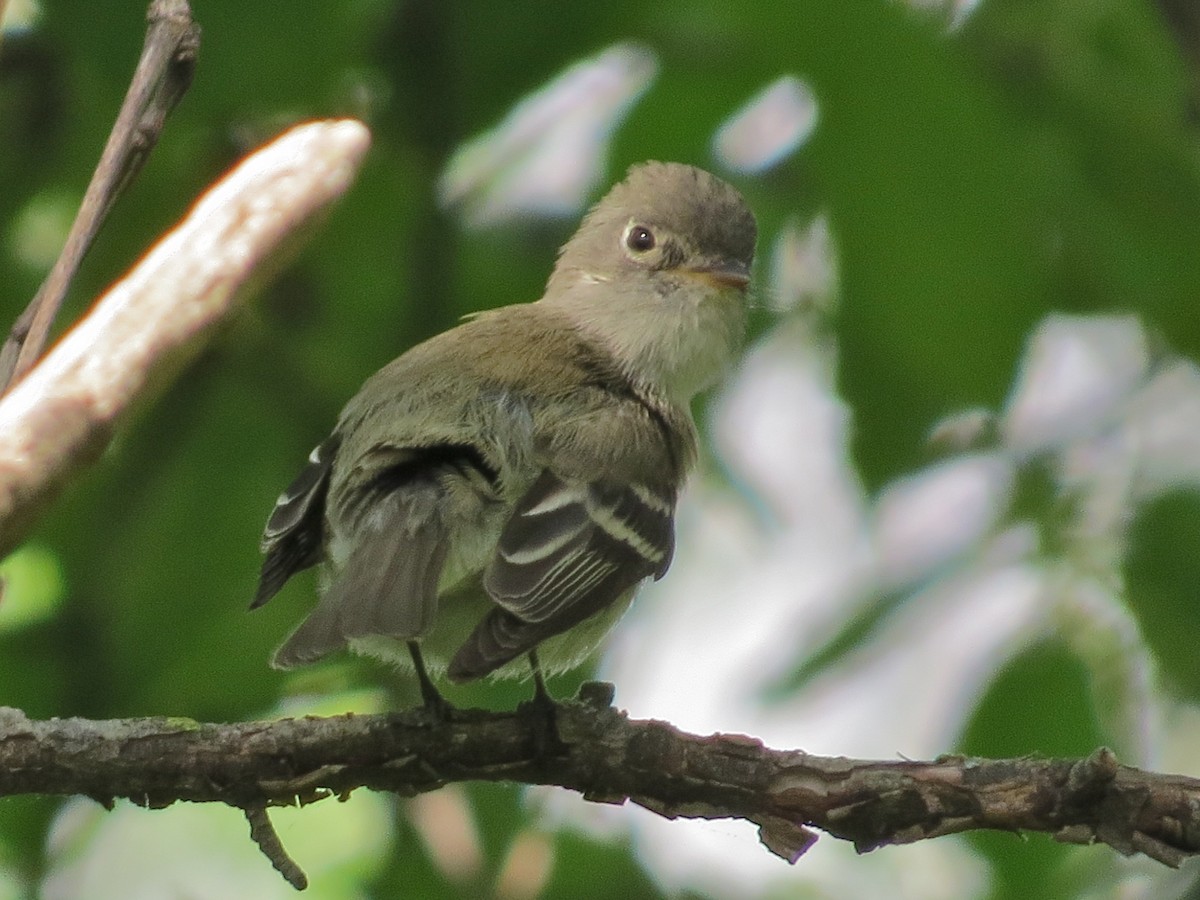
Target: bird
x=502, y=489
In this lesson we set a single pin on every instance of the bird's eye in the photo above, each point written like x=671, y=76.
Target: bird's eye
x=640, y=239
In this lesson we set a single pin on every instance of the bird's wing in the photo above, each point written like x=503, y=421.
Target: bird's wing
x=568, y=550
x=389, y=583
x=293, y=537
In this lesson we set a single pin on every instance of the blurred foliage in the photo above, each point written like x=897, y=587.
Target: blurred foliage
x=1040, y=156
x=1163, y=572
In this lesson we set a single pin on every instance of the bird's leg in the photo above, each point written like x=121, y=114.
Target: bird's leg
x=546, y=740
x=435, y=704
x=541, y=696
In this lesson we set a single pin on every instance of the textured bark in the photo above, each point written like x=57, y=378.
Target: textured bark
x=597, y=751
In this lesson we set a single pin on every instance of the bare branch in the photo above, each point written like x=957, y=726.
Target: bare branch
x=607, y=758
x=63, y=413
x=163, y=75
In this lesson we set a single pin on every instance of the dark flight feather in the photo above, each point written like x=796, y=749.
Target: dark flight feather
x=294, y=535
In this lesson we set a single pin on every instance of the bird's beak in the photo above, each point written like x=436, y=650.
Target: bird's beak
x=723, y=274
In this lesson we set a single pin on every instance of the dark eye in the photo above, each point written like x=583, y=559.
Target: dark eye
x=640, y=239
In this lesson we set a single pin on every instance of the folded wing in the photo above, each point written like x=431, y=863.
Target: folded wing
x=569, y=550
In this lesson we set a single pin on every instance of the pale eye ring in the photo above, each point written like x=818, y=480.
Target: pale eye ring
x=640, y=239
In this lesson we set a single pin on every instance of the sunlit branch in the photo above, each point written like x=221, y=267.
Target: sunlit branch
x=163, y=75
x=62, y=414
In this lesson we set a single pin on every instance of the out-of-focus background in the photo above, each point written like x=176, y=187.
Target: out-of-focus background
x=949, y=502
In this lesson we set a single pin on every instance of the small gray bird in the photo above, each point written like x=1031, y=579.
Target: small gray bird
x=502, y=489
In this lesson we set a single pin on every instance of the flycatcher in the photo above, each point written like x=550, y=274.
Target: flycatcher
x=503, y=488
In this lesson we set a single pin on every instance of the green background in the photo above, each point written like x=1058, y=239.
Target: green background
x=1041, y=157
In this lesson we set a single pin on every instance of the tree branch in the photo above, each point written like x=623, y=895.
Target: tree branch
x=61, y=415
x=608, y=758
x=163, y=75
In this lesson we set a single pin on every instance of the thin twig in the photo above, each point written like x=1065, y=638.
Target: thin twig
x=263, y=833
x=62, y=414
x=162, y=77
